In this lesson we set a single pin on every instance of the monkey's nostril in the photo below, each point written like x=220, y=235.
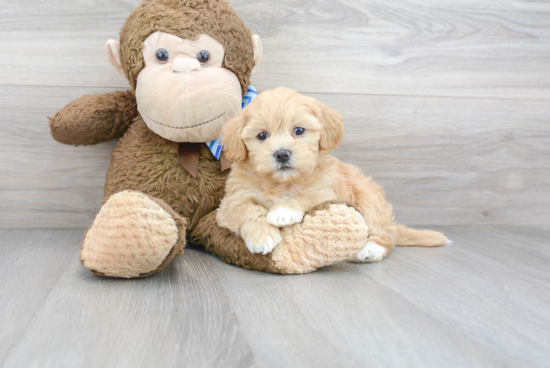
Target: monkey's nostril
x=282, y=155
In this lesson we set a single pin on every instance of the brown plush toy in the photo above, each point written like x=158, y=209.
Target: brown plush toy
x=189, y=64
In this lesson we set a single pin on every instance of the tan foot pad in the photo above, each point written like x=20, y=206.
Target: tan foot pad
x=330, y=233
x=132, y=236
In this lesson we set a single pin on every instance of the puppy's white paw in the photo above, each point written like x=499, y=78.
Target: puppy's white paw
x=372, y=252
x=281, y=217
x=263, y=240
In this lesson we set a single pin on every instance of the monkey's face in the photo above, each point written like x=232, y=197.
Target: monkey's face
x=183, y=93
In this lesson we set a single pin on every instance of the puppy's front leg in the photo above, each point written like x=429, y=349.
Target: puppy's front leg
x=285, y=213
x=249, y=221
x=260, y=237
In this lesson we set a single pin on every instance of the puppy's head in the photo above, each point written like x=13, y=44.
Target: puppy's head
x=281, y=133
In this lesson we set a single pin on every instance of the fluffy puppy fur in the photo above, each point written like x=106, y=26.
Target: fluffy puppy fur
x=280, y=147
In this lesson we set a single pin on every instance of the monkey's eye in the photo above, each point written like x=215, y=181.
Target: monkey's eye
x=162, y=56
x=262, y=136
x=299, y=131
x=203, y=57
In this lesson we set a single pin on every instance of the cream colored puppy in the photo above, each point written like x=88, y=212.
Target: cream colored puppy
x=280, y=147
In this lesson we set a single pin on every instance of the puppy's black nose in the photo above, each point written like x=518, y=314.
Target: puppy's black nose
x=282, y=155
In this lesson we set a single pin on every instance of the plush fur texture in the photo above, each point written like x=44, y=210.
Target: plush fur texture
x=145, y=162
x=116, y=247
x=330, y=233
x=94, y=119
x=265, y=193
x=151, y=204
x=188, y=19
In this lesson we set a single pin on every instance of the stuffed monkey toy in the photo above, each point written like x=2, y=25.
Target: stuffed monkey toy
x=189, y=64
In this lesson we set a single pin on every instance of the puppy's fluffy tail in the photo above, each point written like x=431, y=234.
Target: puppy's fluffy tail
x=420, y=238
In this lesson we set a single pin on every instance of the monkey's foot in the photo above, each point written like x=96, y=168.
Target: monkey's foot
x=134, y=235
x=330, y=233
x=327, y=235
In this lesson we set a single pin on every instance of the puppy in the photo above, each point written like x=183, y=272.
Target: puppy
x=280, y=147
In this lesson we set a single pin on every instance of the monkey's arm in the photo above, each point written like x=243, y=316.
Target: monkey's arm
x=94, y=119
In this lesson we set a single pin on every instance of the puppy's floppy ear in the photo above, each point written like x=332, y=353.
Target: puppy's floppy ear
x=233, y=144
x=333, y=128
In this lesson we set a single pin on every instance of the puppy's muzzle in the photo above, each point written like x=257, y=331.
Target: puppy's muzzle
x=282, y=156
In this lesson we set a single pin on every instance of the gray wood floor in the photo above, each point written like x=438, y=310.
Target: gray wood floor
x=483, y=301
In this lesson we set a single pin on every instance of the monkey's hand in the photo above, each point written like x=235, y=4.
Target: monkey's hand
x=94, y=119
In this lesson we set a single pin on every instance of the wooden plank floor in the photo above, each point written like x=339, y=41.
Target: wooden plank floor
x=483, y=301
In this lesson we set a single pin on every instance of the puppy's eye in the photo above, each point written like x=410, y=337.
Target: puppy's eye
x=299, y=131
x=203, y=57
x=162, y=56
x=262, y=136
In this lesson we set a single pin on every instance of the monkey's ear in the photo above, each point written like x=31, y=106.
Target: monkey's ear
x=258, y=52
x=233, y=144
x=333, y=128
x=112, y=49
